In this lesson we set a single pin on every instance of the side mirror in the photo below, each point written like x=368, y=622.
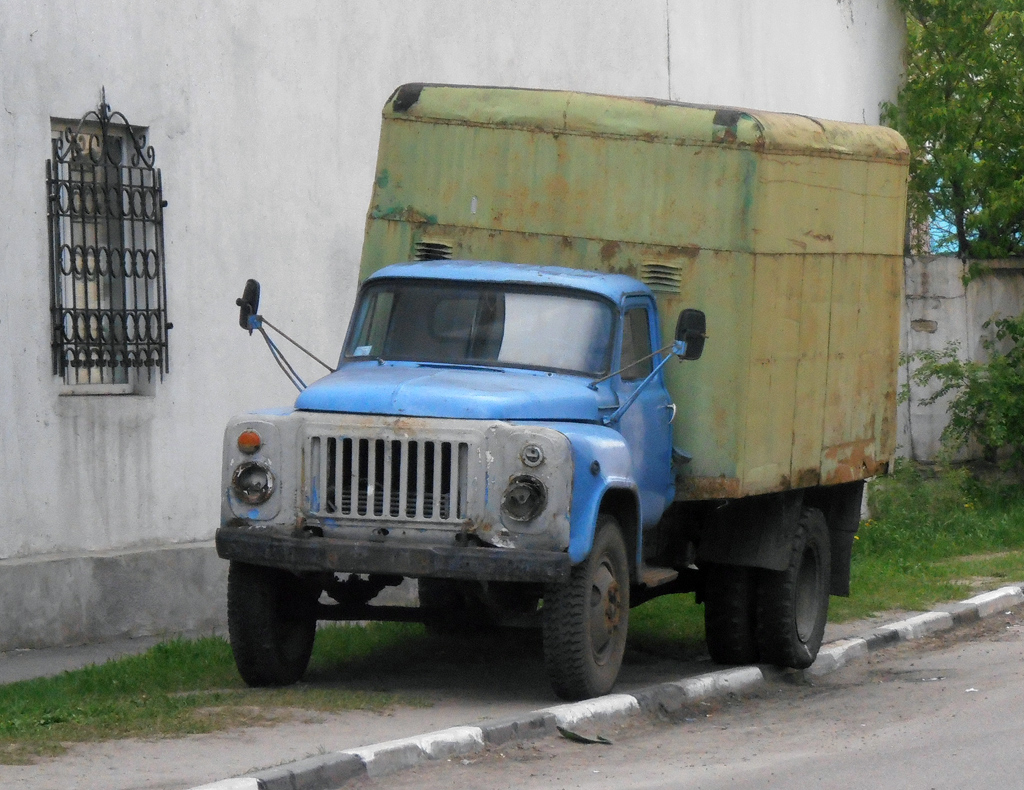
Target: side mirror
x=691, y=331
x=249, y=304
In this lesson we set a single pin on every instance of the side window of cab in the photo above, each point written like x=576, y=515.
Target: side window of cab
x=637, y=361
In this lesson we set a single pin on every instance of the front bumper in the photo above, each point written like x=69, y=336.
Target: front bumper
x=314, y=553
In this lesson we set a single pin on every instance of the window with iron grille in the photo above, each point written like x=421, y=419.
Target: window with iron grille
x=108, y=292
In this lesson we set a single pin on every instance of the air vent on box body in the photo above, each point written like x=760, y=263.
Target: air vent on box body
x=661, y=275
x=433, y=250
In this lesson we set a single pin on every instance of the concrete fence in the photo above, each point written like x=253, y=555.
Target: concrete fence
x=939, y=309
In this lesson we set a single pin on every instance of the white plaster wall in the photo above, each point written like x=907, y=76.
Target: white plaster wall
x=264, y=117
x=834, y=59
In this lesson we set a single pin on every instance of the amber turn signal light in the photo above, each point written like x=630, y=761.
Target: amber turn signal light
x=249, y=442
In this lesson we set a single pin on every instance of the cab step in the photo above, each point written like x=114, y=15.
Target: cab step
x=652, y=576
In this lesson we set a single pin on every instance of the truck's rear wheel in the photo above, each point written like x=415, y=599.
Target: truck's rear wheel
x=271, y=624
x=729, y=614
x=792, y=604
x=585, y=620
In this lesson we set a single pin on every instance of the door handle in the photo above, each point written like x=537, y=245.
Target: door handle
x=673, y=407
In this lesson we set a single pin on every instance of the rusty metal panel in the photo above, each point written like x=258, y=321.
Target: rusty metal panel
x=812, y=369
x=529, y=182
x=859, y=427
x=785, y=230
x=774, y=353
x=713, y=408
x=827, y=205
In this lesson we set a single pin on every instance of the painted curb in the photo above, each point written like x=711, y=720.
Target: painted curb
x=327, y=771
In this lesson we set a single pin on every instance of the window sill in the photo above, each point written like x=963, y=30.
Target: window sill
x=102, y=389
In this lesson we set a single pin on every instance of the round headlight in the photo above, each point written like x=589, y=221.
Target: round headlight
x=532, y=455
x=524, y=499
x=253, y=483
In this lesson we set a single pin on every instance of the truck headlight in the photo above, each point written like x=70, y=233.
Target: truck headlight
x=524, y=499
x=253, y=483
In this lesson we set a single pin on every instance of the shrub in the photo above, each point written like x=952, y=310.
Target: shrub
x=988, y=397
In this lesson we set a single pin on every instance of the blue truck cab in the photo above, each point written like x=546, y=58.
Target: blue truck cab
x=501, y=432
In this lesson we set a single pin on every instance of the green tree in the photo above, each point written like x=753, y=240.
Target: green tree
x=961, y=110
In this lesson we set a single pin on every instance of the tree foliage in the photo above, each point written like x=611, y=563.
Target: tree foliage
x=961, y=109
x=987, y=397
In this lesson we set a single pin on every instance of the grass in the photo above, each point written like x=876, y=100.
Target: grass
x=932, y=537
x=183, y=687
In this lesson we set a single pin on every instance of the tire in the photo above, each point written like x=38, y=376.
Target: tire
x=271, y=624
x=792, y=605
x=585, y=620
x=729, y=614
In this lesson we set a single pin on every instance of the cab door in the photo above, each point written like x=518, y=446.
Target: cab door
x=646, y=425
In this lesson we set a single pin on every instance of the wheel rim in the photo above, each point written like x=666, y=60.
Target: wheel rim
x=807, y=603
x=605, y=611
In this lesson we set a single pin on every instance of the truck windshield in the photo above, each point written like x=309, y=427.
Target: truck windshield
x=483, y=324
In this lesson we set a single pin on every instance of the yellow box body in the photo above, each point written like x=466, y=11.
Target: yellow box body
x=787, y=231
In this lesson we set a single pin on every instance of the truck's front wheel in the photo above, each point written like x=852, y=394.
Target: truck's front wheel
x=585, y=620
x=792, y=604
x=271, y=624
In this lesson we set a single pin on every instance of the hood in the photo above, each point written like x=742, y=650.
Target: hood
x=428, y=390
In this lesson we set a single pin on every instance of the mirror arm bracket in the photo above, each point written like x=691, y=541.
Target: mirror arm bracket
x=616, y=415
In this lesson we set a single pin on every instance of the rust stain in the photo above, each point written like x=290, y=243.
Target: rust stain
x=724, y=136
x=697, y=488
x=609, y=250
x=806, y=478
x=819, y=236
x=671, y=252
x=632, y=268
x=404, y=214
x=853, y=461
x=557, y=190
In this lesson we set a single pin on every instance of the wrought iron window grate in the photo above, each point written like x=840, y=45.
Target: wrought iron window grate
x=107, y=285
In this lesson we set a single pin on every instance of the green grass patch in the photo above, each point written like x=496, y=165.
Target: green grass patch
x=670, y=626
x=182, y=687
x=936, y=534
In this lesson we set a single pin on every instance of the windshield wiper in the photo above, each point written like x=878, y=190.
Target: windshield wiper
x=459, y=365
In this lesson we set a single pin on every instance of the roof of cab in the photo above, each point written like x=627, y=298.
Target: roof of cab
x=610, y=286
x=655, y=120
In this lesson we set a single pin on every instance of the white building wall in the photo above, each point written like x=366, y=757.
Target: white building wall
x=264, y=117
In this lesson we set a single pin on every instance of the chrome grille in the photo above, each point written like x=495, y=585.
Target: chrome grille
x=387, y=478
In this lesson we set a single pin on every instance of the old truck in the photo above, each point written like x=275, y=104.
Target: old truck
x=507, y=422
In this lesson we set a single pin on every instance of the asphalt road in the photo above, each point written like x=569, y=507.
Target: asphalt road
x=944, y=712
